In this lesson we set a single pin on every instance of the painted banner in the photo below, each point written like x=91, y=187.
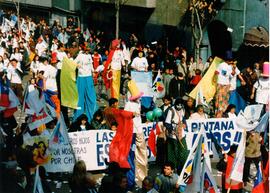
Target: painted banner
x=224, y=130
x=144, y=82
x=91, y=146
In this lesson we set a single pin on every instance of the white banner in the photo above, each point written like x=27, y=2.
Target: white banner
x=91, y=146
x=224, y=130
x=144, y=82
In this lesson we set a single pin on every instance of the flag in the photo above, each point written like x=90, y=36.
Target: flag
x=263, y=124
x=208, y=182
x=36, y=109
x=8, y=101
x=250, y=117
x=158, y=86
x=120, y=145
x=69, y=91
x=238, y=101
x=155, y=131
x=185, y=177
x=200, y=98
x=37, y=185
x=258, y=183
x=194, y=184
x=59, y=135
x=239, y=160
x=207, y=84
x=216, y=147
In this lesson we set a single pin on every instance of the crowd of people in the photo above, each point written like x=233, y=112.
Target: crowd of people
x=33, y=53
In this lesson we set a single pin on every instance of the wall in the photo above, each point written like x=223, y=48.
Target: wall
x=43, y=3
x=241, y=16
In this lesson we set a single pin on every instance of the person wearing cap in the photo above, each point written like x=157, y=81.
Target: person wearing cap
x=140, y=63
x=87, y=95
x=177, y=86
x=114, y=64
x=261, y=87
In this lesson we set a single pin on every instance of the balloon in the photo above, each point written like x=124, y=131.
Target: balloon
x=150, y=116
x=157, y=112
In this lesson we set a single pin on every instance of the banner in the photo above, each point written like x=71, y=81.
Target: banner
x=91, y=146
x=69, y=91
x=207, y=84
x=144, y=82
x=224, y=130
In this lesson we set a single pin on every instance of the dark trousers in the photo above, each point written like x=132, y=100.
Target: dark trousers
x=248, y=162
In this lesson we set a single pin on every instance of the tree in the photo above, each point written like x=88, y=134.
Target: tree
x=117, y=7
x=202, y=12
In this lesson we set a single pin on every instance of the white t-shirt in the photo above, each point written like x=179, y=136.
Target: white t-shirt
x=13, y=75
x=86, y=64
x=262, y=90
x=34, y=66
x=50, y=78
x=231, y=115
x=139, y=64
x=224, y=75
x=198, y=116
x=137, y=120
x=41, y=48
x=117, y=60
x=17, y=56
x=233, y=79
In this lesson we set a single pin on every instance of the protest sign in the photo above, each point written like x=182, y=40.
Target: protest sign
x=144, y=82
x=91, y=146
x=224, y=130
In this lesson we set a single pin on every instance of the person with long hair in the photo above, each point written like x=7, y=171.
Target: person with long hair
x=80, y=180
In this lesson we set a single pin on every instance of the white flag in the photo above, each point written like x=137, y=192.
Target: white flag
x=38, y=185
x=200, y=98
x=239, y=160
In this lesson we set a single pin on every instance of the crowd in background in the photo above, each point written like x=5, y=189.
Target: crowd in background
x=33, y=52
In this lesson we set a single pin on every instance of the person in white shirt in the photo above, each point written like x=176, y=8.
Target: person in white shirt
x=16, y=55
x=35, y=64
x=113, y=68
x=41, y=47
x=224, y=74
x=174, y=128
x=262, y=88
x=50, y=85
x=230, y=111
x=87, y=95
x=199, y=114
x=140, y=63
x=14, y=74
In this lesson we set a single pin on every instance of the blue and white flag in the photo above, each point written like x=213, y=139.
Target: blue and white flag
x=263, y=124
x=186, y=174
x=37, y=185
x=59, y=135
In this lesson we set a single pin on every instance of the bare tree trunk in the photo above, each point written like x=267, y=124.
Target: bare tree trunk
x=117, y=6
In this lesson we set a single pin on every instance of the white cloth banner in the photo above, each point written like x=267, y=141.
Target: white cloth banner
x=91, y=146
x=225, y=131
